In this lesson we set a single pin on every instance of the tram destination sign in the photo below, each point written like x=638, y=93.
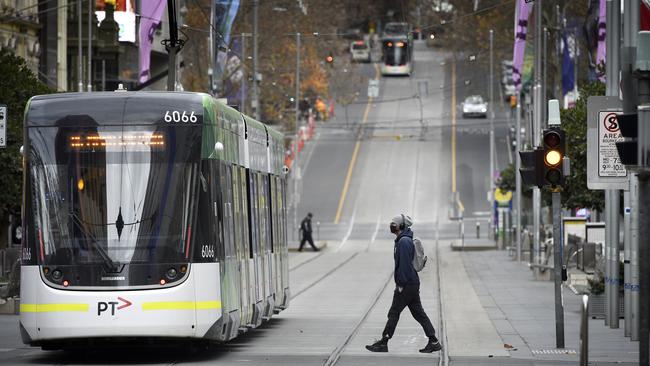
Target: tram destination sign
x=604, y=167
x=3, y=126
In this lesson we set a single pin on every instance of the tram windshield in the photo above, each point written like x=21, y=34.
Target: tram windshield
x=113, y=195
x=395, y=53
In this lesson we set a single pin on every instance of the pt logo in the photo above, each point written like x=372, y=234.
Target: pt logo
x=103, y=306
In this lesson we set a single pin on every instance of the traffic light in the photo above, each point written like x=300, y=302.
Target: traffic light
x=628, y=150
x=531, y=167
x=554, y=147
x=330, y=59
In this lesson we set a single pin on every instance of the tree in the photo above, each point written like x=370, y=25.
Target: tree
x=344, y=84
x=574, y=122
x=17, y=85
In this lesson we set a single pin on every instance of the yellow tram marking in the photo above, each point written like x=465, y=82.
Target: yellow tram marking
x=181, y=305
x=353, y=160
x=51, y=308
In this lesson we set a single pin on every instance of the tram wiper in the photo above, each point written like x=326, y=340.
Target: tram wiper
x=108, y=262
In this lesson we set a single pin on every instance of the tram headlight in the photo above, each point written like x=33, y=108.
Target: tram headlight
x=57, y=274
x=171, y=273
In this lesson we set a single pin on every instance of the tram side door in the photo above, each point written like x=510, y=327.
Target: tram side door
x=255, y=236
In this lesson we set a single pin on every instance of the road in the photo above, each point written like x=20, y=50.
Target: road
x=395, y=157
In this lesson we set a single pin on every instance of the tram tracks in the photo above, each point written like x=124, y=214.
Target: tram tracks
x=324, y=276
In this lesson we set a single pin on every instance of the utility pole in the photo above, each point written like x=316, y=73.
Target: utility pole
x=242, y=87
x=255, y=102
x=518, y=177
x=612, y=196
x=642, y=71
x=296, y=144
x=558, y=52
x=90, y=45
x=538, y=105
x=80, y=68
x=172, y=45
x=490, y=96
x=554, y=121
x=630, y=101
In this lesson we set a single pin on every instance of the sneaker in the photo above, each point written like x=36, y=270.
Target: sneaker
x=431, y=347
x=379, y=346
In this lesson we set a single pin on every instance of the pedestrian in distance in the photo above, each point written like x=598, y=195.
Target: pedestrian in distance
x=407, y=288
x=305, y=229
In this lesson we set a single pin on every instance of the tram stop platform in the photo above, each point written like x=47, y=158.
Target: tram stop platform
x=473, y=244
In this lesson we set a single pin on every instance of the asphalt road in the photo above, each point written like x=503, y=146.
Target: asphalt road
x=395, y=157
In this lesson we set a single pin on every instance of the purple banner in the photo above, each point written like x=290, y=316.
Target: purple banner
x=150, y=15
x=521, y=29
x=602, y=34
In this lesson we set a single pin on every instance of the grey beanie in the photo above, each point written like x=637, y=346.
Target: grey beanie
x=398, y=220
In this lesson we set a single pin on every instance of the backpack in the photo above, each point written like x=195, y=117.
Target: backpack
x=419, y=259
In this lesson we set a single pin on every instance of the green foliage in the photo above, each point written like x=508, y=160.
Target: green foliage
x=506, y=181
x=17, y=85
x=596, y=284
x=574, y=121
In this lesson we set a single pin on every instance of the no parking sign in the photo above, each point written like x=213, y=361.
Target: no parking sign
x=609, y=133
x=604, y=167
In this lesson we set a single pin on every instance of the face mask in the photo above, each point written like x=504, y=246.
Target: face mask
x=393, y=228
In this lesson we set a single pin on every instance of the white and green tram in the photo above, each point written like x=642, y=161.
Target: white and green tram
x=149, y=215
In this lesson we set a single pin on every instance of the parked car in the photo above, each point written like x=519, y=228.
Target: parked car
x=360, y=51
x=474, y=106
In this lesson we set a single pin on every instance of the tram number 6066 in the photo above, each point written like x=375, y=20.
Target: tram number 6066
x=178, y=116
x=207, y=251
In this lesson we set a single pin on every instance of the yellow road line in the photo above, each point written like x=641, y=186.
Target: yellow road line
x=52, y=308
x=353, y=160
x=181, y=305
x=453, y=127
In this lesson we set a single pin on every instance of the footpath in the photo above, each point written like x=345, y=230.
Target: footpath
x=522, y=311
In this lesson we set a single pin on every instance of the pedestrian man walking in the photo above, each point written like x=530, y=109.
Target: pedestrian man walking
x=407, y=289
x=305, y=228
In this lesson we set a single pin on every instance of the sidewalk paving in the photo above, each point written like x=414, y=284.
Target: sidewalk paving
x=523, y=313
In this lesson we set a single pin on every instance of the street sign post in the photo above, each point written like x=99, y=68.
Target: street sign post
x=604, y=167
x=3, y=126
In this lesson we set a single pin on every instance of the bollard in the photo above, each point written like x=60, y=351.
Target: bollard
x=317, y=230
x=478, y=229
x=584, y=332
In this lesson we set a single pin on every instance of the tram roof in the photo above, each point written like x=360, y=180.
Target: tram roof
x=110, y=108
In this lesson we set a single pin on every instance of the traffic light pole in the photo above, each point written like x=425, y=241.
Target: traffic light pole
x=557, y=270
x=631, y=214
x=518, y=178
x=537, y=127
x=612, y=197
x=490, y=96
x=296, y=142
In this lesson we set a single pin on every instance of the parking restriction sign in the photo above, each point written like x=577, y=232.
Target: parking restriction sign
x=604, y=168
x=609, y=133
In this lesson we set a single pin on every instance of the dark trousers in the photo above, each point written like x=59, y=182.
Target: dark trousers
x=306, y=237
x=410, y=296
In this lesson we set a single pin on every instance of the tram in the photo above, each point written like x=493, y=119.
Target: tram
x=397, y=55
x=149, y=215
x=397, y=49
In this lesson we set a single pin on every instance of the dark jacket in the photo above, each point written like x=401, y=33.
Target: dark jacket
x=405, y=274
x=305, y=225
